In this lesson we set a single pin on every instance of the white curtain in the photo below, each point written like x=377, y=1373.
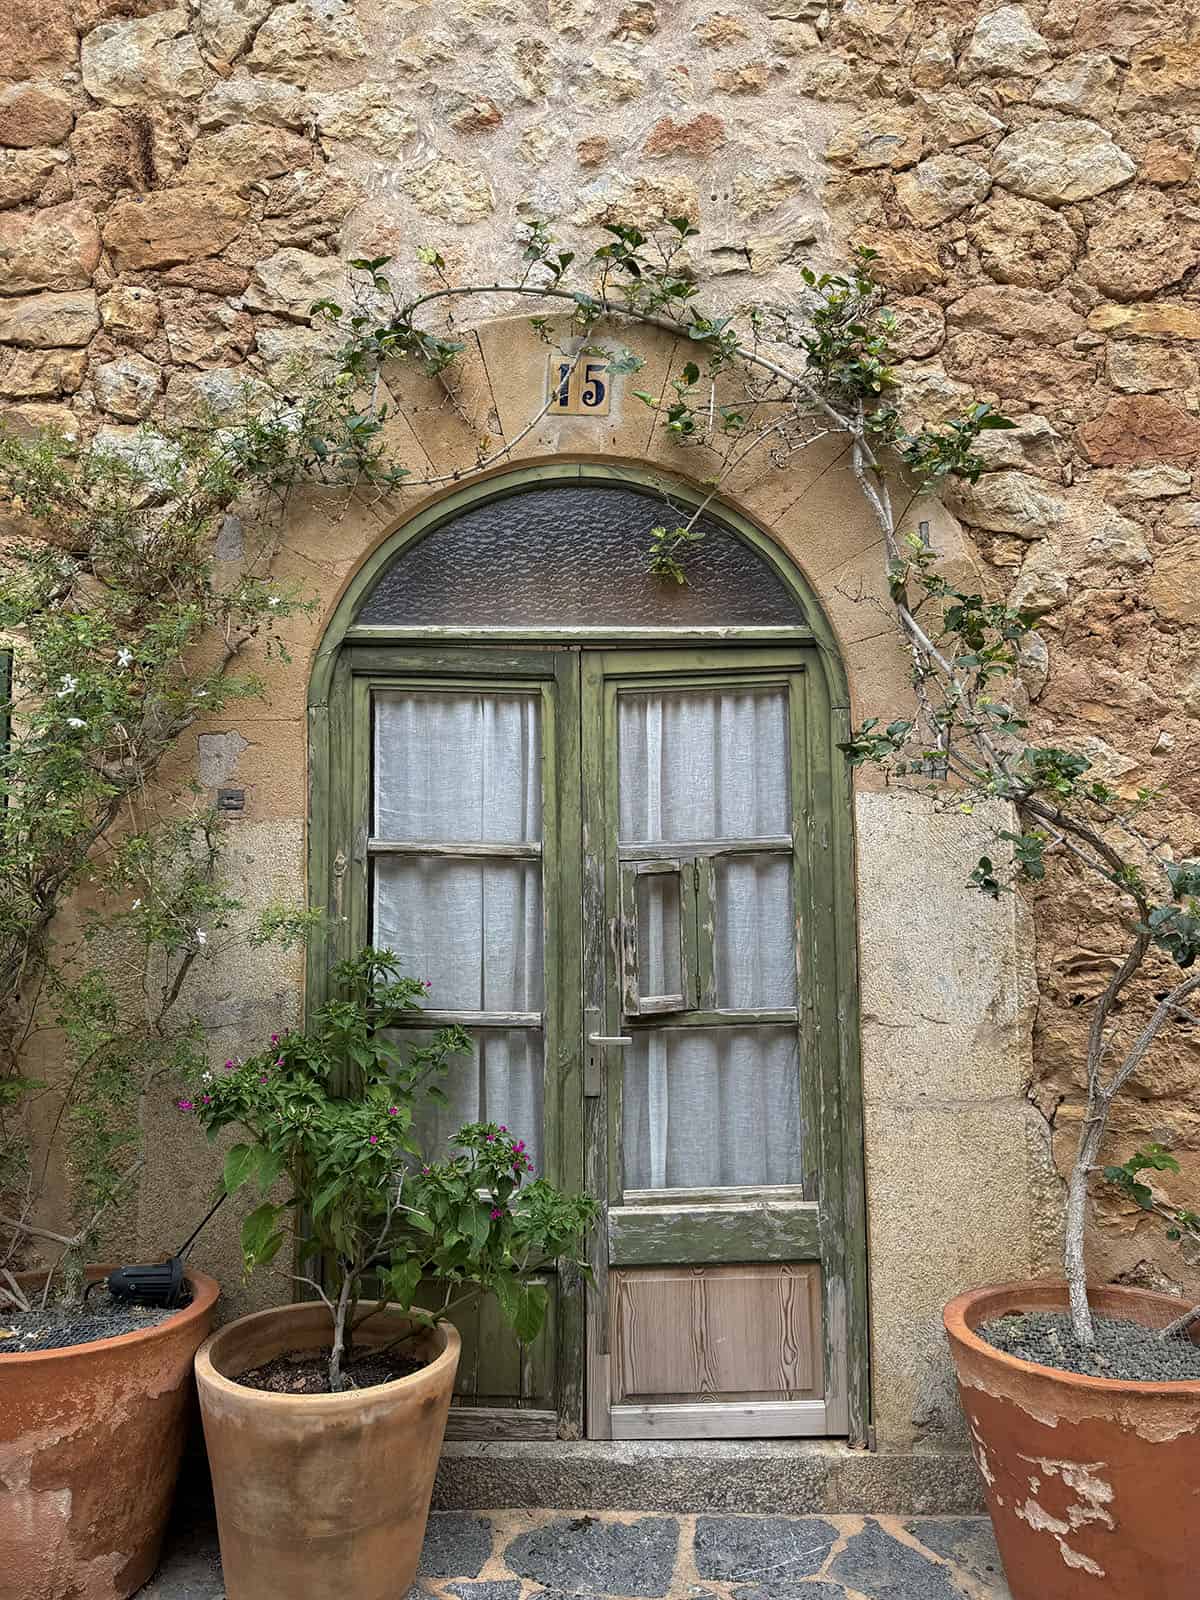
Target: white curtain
x=713, y=1106
x=501, y=1082
x=703, y=764
x=460, y=767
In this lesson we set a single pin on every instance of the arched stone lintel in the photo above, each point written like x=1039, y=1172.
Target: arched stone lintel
x=810, y=510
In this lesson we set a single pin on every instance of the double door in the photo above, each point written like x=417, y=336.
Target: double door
x=616, y=869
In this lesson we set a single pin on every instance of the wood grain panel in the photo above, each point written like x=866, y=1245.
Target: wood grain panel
x=737, y=1333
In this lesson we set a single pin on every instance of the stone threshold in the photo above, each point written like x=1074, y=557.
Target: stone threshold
x=790, y=1477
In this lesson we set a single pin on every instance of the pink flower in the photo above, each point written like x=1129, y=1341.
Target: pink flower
x=229, y=1066
x=426, y=983
x=279, y=1063
x=496, y=1213
x=425, y=1171
x=262, y=1077
x=503, y=1129
x=185, y=1105
x=392, y=1111
x=374, y=1139
x=491, y=1139
x=207, y=1100
x=274, y=1038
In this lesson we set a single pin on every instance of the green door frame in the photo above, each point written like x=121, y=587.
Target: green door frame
x=336, y=846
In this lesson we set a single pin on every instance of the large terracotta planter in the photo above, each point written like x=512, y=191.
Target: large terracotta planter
x=1093, y=1484
x=328, y=1494
x=90, y=1441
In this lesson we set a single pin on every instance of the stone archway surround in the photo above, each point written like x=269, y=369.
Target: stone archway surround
x=947, y=986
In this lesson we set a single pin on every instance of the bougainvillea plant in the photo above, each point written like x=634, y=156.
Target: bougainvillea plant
x=331, y=1115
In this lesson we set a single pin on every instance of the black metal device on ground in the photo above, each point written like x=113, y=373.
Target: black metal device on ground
x=158, y=1284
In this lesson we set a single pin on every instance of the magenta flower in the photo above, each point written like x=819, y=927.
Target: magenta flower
x=426, y=983
x=207, y=1100
x=491, y=1139
x=374, y=1139
x=503, y=1129
x=392, y=1111
x=425, y=1171
x=262, y=1077
x=496, y=1213
x=274, y=1038
x=185, y=1105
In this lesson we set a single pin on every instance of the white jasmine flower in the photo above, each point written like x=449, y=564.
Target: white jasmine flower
x=76, y=722
x=136, y=906
x=69, y=686
x=206, y=1077
x=201, y=936
x=124, y=657
x=272, y=599
x=201, y=694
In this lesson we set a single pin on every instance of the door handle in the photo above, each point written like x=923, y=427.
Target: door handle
x=593, y=1055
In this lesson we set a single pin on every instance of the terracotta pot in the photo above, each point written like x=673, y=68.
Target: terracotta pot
x=326, y=1494
x=1092, y=1483
x=90, y=1441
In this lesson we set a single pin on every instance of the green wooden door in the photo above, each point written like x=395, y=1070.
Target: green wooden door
x=578, y=845
x=455, y=846
x=719, y=1308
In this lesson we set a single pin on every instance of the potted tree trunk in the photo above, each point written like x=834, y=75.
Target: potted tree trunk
x=324, y=1420
x=1083, y=1401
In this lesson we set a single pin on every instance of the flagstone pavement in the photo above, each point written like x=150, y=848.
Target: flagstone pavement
x=553, y=1555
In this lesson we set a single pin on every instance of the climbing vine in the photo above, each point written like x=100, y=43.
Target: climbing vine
x=125, y=627
x=777, y=379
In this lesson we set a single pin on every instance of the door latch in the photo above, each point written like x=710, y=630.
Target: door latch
x=593, y=1058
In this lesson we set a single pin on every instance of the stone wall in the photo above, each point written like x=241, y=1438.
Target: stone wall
x=177, y=184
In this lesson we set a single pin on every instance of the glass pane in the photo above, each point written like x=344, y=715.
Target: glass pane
x=658, y=914
x=473, y=928
x=703, y=764
x=712, y=1107
x=574, y=555
x=754, y=935
x=501, y=1082
x=457, y=767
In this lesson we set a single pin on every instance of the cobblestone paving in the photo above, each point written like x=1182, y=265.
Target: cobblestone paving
x=550, y=1555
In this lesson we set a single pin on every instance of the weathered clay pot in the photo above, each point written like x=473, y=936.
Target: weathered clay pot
x=326, y=1494
x=90, y=1441
x=1092, y=1483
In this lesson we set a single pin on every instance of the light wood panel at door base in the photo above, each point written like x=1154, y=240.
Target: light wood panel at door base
x=763, y=1419
x=716, y=1334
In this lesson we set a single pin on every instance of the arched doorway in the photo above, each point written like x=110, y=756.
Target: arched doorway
x=606, y=817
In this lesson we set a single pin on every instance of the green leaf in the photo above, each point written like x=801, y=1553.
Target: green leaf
x=240, y=1164
x=270, y=1165
x=260, y=1242
x=403, y=1280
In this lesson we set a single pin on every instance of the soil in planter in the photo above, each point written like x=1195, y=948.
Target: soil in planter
x=1125, y=1350
x=301, y=1373
x=60, y=1327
